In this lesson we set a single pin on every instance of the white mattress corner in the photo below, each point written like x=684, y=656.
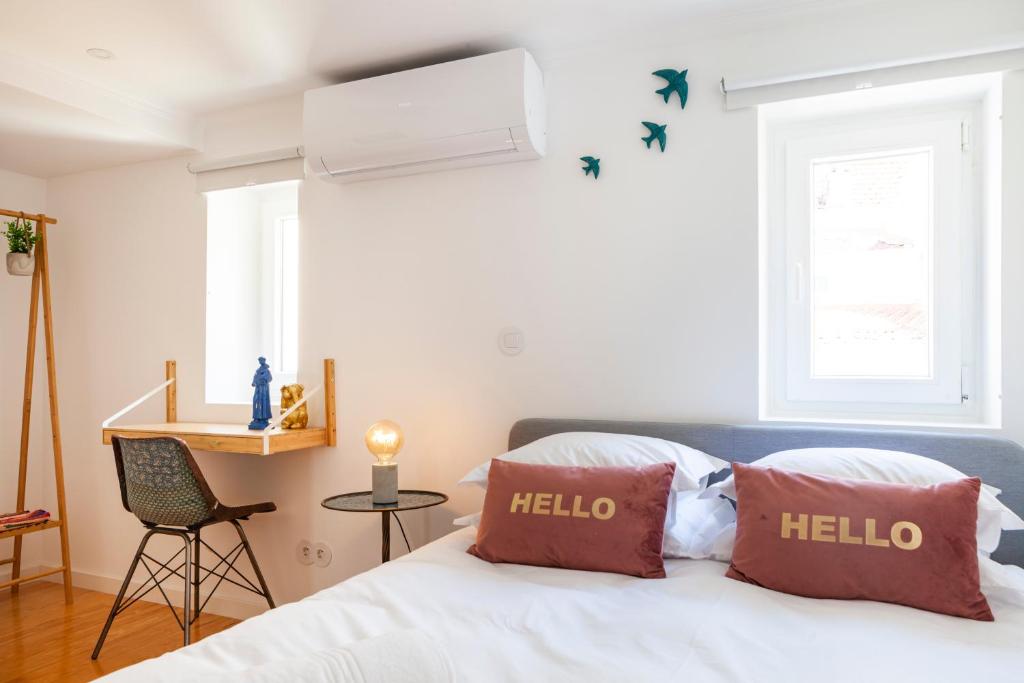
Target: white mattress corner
x=519, y=623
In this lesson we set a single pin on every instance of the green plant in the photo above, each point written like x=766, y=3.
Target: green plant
x=21, y=236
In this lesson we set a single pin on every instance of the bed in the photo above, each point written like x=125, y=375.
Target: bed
x=520, y=623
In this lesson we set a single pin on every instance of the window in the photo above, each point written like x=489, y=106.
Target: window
x=871, y=304
x=871, y=213
x=251, y=288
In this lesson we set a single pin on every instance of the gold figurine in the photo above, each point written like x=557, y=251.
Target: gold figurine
x=290, y=395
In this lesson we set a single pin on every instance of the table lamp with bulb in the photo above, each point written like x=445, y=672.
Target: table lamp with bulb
x=384, y=439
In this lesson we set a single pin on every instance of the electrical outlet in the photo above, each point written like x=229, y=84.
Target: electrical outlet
x=304, y=552
x=322, y=554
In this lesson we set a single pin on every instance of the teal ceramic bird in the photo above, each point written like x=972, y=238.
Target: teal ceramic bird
x=676, y=84
x=656, y=133
x=592, y=166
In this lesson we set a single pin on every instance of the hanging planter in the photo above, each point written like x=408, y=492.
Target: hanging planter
x=20, y=264
x=21, y=238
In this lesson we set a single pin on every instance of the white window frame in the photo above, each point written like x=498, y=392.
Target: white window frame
x=789, y=391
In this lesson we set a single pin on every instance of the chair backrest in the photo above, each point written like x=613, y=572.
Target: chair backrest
x=161, y=482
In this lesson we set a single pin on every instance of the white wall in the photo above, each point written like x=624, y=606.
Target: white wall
x=637, y=292
x=20, y=193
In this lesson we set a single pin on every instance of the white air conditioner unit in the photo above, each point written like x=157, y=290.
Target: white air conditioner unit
x=482, y=110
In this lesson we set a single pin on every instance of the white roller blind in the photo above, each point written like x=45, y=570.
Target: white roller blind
x=740, y=93
x=254, y=169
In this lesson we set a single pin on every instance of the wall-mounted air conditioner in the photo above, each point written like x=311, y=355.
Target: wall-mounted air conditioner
x=482, y=110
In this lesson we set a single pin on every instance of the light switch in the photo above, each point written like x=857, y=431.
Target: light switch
x=511, y=341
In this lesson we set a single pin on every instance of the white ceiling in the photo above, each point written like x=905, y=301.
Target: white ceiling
x=44, y=138
x=62, y=111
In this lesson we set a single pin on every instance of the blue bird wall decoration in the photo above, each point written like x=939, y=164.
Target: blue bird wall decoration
x=676, y=83
x=656, y=132
x=592, y=166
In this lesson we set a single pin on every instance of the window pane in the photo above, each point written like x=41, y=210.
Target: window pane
x=288, y=244
x=871, y=264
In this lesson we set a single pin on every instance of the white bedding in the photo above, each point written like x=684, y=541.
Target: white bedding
x=517, y=623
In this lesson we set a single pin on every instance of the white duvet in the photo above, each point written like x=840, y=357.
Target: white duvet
x=518, y=623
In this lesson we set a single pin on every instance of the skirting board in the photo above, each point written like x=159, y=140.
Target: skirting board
x=236, y=607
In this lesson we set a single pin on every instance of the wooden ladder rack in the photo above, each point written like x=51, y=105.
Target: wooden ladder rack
x=40, y=284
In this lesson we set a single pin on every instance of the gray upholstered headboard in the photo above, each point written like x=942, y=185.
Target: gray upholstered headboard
x=997, y=461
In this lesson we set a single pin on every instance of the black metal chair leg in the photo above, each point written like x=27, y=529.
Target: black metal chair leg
x=120, y=594
x=195, y=580
x=254, y=563
x=188, y=588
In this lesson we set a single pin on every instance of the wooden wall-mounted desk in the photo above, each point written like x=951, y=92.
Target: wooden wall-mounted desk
x=233, y=438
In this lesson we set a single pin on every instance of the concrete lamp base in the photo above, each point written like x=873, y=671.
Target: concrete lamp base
x=385, y=484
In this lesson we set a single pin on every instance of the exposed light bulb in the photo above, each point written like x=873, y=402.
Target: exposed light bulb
x=384, y=439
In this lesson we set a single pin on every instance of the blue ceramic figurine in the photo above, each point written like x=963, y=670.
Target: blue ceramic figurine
x=261, y=397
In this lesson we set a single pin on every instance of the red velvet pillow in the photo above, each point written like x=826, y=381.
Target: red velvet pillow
x=605, y=519
x=825, y=537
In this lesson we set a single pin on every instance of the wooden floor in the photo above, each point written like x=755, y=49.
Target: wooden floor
x=42, y=639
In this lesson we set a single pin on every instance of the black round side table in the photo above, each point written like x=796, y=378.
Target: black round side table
x=362, y=501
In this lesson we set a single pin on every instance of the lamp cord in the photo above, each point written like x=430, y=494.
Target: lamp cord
x=399, y=520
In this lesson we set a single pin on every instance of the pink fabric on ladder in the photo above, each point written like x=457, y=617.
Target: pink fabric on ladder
x=13, y=520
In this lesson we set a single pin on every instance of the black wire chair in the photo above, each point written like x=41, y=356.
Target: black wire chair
x=162, y=485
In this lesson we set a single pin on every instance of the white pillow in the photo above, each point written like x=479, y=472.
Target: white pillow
x=694, y=527
x=1001, y=581
x=598, y=449
x=890, y=466
x=699, y=528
